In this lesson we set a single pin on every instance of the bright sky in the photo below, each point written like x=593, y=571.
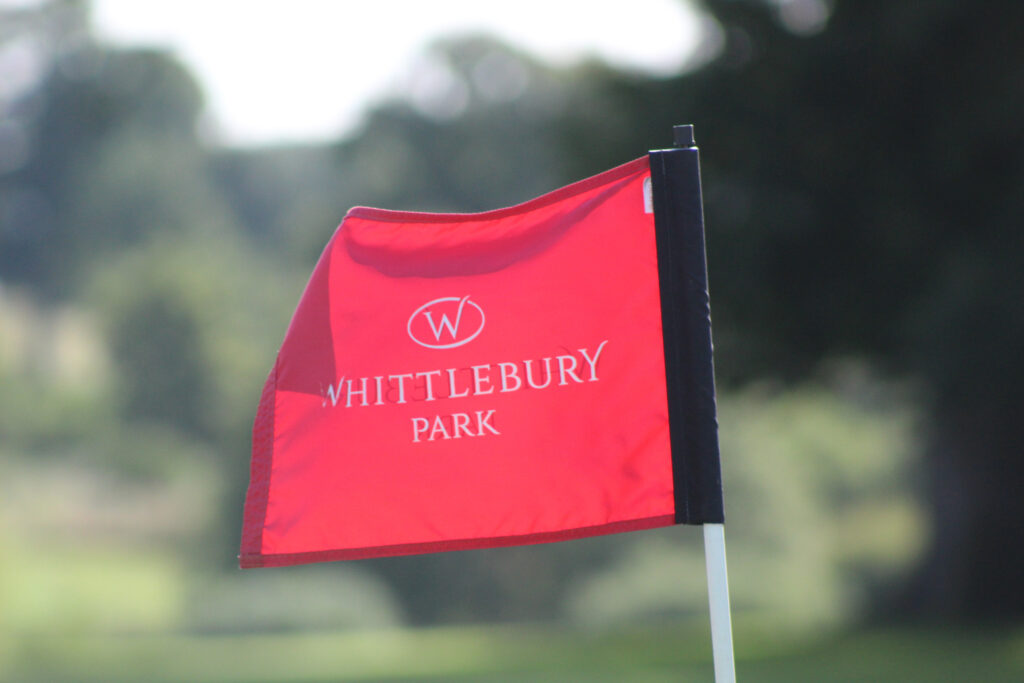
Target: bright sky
x=305, y=70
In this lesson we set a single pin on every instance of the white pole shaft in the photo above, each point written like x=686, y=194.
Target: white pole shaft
x=718, y=598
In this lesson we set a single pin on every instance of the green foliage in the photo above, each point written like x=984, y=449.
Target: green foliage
x=34, y=415
x=112, y=158
x=815, y=485
x=191, y=343
x=160, y=362
x=297, y=598
x=68, y=589
x=805, y=471
x=54, y=375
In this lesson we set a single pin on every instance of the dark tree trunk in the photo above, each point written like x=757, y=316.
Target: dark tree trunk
x=974, y=567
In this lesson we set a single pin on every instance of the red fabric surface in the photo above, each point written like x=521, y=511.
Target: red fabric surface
x=469, y=380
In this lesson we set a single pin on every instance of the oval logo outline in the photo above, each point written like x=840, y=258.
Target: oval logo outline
x=444, y=323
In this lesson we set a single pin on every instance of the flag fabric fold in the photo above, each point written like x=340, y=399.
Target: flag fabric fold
x=457, y=381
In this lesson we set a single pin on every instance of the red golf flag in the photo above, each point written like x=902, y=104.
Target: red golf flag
x=455, y=381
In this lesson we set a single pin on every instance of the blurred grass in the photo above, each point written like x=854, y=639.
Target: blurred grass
x=520, y=653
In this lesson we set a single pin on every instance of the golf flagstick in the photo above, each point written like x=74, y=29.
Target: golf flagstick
x=718, y=600
x=686, y=319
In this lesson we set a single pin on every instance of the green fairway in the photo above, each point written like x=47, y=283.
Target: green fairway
x=499, y=653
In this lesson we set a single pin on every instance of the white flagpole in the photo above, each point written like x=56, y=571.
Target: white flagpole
x=718, y=598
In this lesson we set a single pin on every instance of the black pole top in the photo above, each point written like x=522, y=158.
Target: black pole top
x=683, y=135
x=686, y=327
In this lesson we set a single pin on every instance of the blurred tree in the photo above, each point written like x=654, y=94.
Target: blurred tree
x=99, y=149
x=866, y=188
x=864, y=166
x=164, y=374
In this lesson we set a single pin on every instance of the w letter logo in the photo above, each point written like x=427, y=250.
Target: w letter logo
x=446, y=322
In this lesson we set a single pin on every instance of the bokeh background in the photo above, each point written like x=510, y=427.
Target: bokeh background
x=863, y=167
